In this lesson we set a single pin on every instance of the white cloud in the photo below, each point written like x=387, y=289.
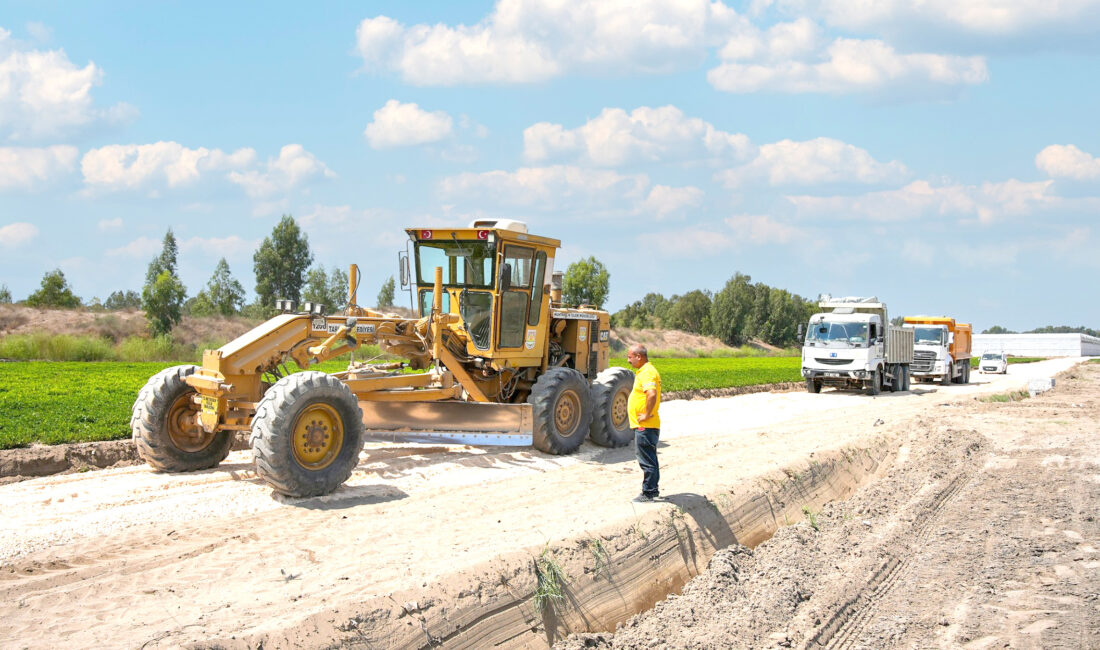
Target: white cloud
x=293, y=167
x=132, y=166
x=142, y=247
x=919, y=199
x=42, y=93
x=552, y=188
x=17, y=234
x=26, y=168
x=404, y=125
x=845, y=66
x=688, y=242
x=664, y=201
x=978, y=17
x=1067, y=161
x=525, y=41
x=228, y=247
x=646, y=134
x=110, y=224
x=821, y=160
x=762, y=229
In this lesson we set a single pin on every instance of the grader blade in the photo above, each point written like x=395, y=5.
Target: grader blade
x=471, y=423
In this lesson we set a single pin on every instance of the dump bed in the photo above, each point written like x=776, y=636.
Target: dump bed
x=899, y=345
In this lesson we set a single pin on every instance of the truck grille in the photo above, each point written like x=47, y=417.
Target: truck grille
x=833, y=362
x=923, y=361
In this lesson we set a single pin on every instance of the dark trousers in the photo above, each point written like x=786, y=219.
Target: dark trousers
x=645, y=444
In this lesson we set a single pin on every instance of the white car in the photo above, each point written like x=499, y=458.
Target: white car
x=993, y=362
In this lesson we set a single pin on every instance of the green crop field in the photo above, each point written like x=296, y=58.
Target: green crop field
x=54, y=402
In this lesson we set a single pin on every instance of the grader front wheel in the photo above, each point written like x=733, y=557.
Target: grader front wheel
x=610, y=420
x=562, y=410
x=307, y=434
x=165, y=431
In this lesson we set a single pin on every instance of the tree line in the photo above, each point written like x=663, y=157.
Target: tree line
x=284, y=269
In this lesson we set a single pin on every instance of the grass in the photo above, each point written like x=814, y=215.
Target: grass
x=64, y=347
x=56, y=402
x=698, y=374
x=551, y=580
x=601, y=558
x=1014, y=396
x=810, y=517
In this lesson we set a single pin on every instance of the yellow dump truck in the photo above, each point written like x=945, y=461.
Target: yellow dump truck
x=493, y=358
x=941, y=349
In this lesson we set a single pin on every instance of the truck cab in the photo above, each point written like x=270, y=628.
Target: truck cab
x=941, y=349
x=850, y=344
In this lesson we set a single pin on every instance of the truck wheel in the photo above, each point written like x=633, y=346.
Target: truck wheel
x=875, y=385
x=307, y=434
x=164, y=429
x=610, y=421
x=813, y=386
x=562, y=410
x=966, y=374
x=945, y=380
x=905, y=378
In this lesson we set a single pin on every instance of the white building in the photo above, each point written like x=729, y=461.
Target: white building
x=1037, y=345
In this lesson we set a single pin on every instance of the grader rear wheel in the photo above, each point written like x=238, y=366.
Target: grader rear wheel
x=307, y=434
x=610, y=419
x=562, y=410
x=164, y=428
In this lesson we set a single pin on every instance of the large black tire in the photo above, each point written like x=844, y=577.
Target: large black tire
x=966, y=374
x=562, y=410
x=164, y=429
x=813, y=386
x=874, y=387
x=307, y=434
x=905, y=379
x=610, y=420
x=946, y=379
x=896, y=384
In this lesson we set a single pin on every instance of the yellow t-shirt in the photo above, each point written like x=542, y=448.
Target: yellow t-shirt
x=645, y=378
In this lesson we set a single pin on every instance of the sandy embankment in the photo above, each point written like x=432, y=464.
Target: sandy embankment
x=128, y=558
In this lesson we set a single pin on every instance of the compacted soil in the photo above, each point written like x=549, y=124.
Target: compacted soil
x=982, y=534
x=976, y=527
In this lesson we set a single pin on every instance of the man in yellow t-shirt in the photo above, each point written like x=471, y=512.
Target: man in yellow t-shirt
x=642, y=407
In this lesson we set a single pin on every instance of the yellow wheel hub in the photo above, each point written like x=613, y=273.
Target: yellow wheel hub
x=618, y=409
x=183, y=426
x=318, y=436
x=567, y=413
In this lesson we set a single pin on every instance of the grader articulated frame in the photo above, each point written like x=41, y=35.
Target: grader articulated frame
x=502, y=361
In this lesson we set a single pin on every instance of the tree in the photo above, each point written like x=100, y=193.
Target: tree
x=223, y=295
x=5, y=295
x=337, y=289
x=163, y=302
x=54, y=292
x=122, y=300
x=691, y=312
x=586, y=282
x=1064, y=329
x=163, y=294
x=731, y=308
x=385, y=294
x=280, y=264
x=997, y=329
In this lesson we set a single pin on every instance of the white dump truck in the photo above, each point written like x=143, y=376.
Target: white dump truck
x=850, y=344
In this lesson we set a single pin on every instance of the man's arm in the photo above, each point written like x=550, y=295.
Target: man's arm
x=650, y=402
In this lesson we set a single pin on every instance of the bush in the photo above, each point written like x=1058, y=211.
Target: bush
x=55, y=347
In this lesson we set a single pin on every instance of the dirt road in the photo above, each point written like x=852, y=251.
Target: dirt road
x=131, y=558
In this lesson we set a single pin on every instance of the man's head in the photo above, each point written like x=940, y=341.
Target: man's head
x=637, y=356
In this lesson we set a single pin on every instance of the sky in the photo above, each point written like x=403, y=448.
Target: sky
x=943, y=155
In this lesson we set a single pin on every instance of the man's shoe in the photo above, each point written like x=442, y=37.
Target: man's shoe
x=644, y=498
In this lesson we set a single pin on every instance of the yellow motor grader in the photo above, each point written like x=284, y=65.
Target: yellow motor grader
x=500, y=361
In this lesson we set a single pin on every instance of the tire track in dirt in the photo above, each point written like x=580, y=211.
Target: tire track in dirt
x=842, y=629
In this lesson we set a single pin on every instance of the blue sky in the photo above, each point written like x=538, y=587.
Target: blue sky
x=944, y=156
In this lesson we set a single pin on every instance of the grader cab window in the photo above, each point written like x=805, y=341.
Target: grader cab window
x=464, y=263
x=514, y=301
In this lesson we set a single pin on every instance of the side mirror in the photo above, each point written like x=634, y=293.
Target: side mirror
x=505, y=280
x=403, y=269
x=800, y=330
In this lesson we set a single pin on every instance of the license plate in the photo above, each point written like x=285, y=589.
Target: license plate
x=210, y=405
x=832, y=374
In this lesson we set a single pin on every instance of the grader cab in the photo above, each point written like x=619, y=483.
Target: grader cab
x=494, y=358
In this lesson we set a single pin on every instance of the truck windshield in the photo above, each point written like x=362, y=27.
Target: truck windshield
x=928, y=335
x=825, y=332
x=464, y=263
